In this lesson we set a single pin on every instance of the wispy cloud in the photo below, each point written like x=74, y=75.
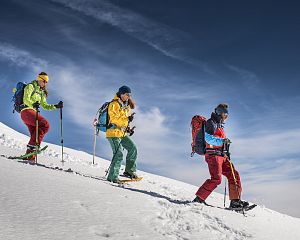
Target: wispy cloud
x=267, y=144
x=21, y=57
x=167, y=40
x=271, y=181
x=248, y=78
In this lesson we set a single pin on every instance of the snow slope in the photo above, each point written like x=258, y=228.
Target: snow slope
x=48, y=202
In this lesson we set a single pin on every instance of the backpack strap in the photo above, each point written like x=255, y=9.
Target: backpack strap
x=33, y=92
x=109, y=125
x=34, y=88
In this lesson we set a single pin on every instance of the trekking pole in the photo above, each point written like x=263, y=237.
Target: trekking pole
x=36, y=129
x=225, y=193
x=95, y=139
x=225, y=182
x=232, y=171
x=61, y=136
x=96, y=133
x=234, y=177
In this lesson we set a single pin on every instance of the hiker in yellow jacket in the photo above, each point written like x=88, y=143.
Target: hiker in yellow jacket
x=117, y=134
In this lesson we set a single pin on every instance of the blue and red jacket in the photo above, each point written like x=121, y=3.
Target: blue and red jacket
x=214, y=134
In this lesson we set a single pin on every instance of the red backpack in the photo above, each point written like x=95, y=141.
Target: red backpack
x=198, y=133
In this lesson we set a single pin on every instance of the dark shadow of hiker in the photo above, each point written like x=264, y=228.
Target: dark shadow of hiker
x=156, y=195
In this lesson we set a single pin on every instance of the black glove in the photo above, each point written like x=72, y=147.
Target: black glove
x=227, y=141
x=130, y=131
x=36, y=105
x=59, y=105
x=130, y=118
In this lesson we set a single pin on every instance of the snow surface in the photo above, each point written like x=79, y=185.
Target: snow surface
x=48, y=202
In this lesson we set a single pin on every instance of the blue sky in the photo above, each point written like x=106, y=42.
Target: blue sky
x=180, y=58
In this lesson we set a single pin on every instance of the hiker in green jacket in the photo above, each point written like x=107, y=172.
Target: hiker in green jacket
x=35, y=95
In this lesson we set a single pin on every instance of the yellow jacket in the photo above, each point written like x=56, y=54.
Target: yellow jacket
x=118, y=113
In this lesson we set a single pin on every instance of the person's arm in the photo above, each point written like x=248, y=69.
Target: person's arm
x=210, y=130
x=212, y=140
x=45, y=105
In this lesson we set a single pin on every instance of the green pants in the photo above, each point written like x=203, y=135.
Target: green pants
x=117, y=145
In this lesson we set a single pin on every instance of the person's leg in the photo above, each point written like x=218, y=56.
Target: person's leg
x=215, y=170
x=28, y=117
x=131, y=156
x=234, y=181
x=44, y=127
x=116, y=160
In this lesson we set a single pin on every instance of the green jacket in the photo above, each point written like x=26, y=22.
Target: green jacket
x=33, y=93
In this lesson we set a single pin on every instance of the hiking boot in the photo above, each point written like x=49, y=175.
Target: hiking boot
x=132, y=175
x=244, y=203
x=238, y=204
x=30, y=149
x=117, y=180
x=199, y=200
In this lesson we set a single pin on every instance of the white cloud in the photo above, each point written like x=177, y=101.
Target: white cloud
x=266, y=145
x=279, y=195
x=21, y=58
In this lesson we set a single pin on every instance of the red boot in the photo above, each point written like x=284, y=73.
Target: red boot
x=30, y=149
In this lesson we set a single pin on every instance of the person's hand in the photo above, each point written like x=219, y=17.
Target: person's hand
x=130, y=131
x=95, y=122
x=59, y=105
x=36, y=105
x=130, y=118
x=227, y=141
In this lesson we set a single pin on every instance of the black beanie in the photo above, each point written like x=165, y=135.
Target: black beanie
x=124, y=89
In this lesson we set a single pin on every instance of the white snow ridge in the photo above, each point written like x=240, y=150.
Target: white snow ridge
x=39, y=202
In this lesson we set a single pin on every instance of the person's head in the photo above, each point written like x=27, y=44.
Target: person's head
x=124, y=93
x=42, y=79
x=222, y=111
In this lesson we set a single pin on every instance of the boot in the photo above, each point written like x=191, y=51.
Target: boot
x=199, y=200
x=132, y=175
x=117, y=180
x=30, y=149
x=238, y=204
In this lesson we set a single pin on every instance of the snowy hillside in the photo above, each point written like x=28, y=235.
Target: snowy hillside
x=49, y=202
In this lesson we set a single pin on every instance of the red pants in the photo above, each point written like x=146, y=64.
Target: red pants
x=217, y=166
x=28, y=116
